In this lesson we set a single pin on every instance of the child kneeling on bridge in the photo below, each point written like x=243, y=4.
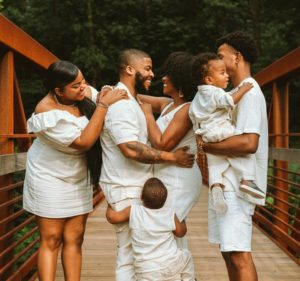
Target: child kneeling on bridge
x=156, y=254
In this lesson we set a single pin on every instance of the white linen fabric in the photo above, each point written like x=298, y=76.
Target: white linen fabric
x=56, y=183
x=183, y=184
x=122, y=177
x=154, y=248
x=244, y=167
x=233, y=229
x=210, y=112
x=251, y=117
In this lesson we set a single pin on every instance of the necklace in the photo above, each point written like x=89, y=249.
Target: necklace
x=57, y=101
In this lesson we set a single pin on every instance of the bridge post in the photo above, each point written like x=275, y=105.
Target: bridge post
x=6, y=144
x=281, y=139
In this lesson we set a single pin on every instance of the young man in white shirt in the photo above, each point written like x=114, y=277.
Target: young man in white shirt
x=127, y=156
x=233, y=230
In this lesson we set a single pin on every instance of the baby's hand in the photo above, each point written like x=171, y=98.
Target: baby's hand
x=246, y=86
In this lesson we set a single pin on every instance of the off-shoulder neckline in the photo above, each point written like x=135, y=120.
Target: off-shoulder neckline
x=59, y=110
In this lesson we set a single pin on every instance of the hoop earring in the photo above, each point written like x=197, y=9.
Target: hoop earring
x=180, y=94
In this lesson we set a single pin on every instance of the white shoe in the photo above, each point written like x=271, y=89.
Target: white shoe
x=252, y=189
x=218, y=200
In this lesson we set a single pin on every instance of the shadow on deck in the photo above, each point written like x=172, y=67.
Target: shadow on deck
x=99, y=250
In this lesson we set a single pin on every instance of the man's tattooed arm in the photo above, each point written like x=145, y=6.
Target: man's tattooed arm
x=148, y=155
x=141, y=152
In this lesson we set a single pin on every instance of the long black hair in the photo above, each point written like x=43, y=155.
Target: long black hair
x=58, y=75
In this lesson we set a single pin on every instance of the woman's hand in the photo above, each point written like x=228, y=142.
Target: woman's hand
x=147, y=108
x=184, y=159
x=108, y=96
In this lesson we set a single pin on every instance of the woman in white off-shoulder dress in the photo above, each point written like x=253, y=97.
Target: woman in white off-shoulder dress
x=62, y=165
x=173, y=129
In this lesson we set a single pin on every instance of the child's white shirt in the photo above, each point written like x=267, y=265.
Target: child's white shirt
x=152, y=235
x=210, y=111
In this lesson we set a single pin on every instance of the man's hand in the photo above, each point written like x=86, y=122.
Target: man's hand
x=184, y=159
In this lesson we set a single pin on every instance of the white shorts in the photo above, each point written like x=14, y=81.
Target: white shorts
x=232, y=230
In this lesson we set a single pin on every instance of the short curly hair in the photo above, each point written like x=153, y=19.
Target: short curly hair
x=178, y=68
x=154, y=193
x=200, y=66
x=241, y=41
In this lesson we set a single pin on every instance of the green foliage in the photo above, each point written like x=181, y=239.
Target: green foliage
x=91, y=33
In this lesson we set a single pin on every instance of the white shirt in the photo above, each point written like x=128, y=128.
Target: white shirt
x=210, y=109
x=123, y=177
x=153, y=241
x=251, y=117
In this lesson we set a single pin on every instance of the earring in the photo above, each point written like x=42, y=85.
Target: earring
x=180, y=94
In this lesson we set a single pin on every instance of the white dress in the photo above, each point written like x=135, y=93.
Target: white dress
x=183, y=184
x=56, y=183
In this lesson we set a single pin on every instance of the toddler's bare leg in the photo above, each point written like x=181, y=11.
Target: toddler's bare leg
x=218, y=199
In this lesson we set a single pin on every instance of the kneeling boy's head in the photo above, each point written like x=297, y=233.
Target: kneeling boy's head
x=154, y=193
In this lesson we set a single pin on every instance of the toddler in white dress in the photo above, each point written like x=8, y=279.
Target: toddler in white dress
x=153, y=226
x=210, y=113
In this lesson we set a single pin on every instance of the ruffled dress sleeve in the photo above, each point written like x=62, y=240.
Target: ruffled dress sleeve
x=57, y=126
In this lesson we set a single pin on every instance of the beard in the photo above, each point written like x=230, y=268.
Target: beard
x=139, y=84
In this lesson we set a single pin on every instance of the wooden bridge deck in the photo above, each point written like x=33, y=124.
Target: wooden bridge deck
x=100, y=243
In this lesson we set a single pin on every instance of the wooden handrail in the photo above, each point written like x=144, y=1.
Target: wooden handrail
x=287, y=65
x=16, y=39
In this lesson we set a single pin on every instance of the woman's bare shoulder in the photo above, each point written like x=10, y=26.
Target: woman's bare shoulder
x=46, y=104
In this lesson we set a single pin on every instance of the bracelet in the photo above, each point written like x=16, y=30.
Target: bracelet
x=102, y=104
x=107, y=86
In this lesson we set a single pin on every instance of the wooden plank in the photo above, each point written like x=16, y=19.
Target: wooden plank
x=10, y=163
x=16, y=39
x=290, y=155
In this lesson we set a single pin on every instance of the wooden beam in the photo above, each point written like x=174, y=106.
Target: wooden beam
x=11, y=163
x=290, y=155
x=6, y=145
x=287, y=65
x=20, y=124
x=16, y=39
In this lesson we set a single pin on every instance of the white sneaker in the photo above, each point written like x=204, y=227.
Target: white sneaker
x=218, y=200
x=252, y=189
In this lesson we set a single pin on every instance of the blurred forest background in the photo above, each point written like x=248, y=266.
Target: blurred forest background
x=91, y=33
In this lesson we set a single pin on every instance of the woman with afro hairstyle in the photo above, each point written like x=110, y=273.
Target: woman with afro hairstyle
x=173, y=129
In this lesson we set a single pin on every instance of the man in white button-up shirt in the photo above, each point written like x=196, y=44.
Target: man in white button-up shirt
x=127, y=158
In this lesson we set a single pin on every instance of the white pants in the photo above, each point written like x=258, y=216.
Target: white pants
x=244, y=166
x=124, y=263
x=180, y=268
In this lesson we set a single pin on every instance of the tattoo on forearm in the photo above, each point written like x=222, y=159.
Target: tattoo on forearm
x=144, y=153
